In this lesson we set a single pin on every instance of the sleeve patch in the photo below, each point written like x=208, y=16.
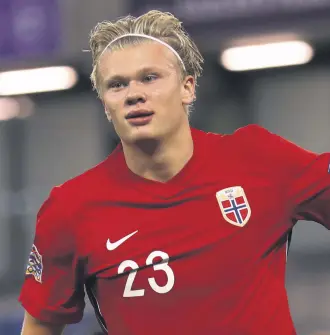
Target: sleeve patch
x=34, y=267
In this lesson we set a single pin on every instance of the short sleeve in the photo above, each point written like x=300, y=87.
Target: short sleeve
x=53, y=287
x=305, y=176
x=309, y=191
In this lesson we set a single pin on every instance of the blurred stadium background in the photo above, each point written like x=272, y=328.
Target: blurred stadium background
x=267, y=62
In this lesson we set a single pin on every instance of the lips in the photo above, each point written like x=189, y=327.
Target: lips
x=137, y=114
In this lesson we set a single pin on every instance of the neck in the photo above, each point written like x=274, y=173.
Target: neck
x=160, y=160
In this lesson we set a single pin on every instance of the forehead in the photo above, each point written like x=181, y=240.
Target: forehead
x=130, y=59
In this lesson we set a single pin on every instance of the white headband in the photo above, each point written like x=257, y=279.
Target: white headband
x=151, y=38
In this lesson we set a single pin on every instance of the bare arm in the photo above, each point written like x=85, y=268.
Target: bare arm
x=32, y=326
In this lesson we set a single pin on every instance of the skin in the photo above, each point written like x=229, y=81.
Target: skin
x=147, y=76
x=33, y=326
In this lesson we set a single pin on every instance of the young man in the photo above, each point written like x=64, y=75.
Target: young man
x=177, y=231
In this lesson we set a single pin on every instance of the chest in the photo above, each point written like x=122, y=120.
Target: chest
x=239, y=222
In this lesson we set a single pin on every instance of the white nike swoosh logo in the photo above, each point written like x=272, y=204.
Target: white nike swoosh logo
x=115, y=245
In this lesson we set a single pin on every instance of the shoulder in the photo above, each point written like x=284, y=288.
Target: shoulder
x=251, y=130
x=255, y=144
x=56, y=222
x=259, y=140
x=252, y=134
x=79, y=186
x=66, y=200
x=63, y=198
x=86, y=185
x=264, y=142
x=57, y=218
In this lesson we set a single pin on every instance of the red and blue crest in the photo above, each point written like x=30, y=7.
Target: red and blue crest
x=234, y=205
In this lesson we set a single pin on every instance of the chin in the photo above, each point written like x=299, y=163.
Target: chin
x=141, y=134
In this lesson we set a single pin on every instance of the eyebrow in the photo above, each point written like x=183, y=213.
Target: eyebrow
x=117, y=77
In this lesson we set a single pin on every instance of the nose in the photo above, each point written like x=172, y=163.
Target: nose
x=134, y=95
x=133, y=100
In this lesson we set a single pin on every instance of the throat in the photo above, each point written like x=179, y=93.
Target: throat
x=160, y=164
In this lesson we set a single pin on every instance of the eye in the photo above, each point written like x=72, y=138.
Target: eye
x=150, y=77
x=116, y=85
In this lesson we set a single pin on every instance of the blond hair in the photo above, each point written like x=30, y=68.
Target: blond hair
x=161, y=25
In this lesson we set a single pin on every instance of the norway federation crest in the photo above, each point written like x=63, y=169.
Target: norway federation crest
x=34, y=266
x=234, y=205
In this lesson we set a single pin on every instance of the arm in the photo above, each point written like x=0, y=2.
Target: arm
x=52, y=291
x=305, y=175
x=32, y=326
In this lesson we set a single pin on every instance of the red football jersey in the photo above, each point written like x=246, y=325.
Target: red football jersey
x=204, y=253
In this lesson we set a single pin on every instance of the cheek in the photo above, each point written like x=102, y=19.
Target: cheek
x=167, y=94
x=113, y=104
x=157, y=94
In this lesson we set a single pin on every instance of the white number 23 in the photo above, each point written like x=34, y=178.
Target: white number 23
x=129, y=292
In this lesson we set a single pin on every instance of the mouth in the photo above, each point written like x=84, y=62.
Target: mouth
x=138, y=114
x=139, y=118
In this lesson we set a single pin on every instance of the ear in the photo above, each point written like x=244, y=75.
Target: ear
x=188, y=90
